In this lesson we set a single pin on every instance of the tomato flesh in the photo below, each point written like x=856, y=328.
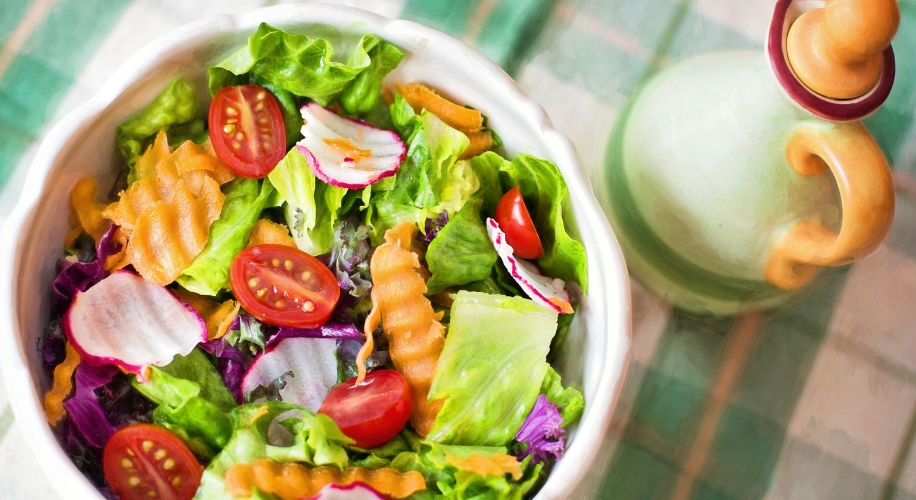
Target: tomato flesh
x=144, y=461
x=284, y=286
x=247, y=130
x=373, y=412
x=513, y=218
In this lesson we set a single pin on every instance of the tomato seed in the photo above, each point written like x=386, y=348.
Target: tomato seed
x=169, y=464
x=288, y=265
x=308, y=306
x=228, y=129
x=262, y=293
x=236, y=145
x=126, y=463
x=133, y=481
x=239, y=136
x=231, y=112
x=176, y=481
x=151, y=494
x=306, y=275
x=253, y=283
x=147, y=446
x=160, y=454
x=261, y=96
x=280, y=304
x=259, y=106
x=275, y=262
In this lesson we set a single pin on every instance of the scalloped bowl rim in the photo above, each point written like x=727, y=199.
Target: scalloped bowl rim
x=606, y=256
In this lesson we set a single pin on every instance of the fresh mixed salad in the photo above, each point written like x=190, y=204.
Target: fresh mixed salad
x=329, y=287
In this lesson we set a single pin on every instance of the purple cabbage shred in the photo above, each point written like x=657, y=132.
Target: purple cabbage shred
x=325, y=331
x=232, y=364
x=83, y=408
x=542, y=432
x=432, y=228
x=80, y=276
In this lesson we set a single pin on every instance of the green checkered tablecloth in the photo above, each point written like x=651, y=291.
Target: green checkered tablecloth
x=815, y=400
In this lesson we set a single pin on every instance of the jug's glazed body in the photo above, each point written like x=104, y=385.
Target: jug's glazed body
x=729, y=183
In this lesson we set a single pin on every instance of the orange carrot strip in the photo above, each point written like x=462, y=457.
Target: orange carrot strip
x=292, y=481
x=480, y=142
x=118, y=260
x=63, y=384
x=497, y=465
x=415, y=336
x=218, y=317
x=459, y=117
x=265, y=231
x=88, y=210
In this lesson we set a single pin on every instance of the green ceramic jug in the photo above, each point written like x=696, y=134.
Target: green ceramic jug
x=730, y=181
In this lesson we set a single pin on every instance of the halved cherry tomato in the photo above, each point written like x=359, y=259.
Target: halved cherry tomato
x=144, y=461
x=247, y=131
x=373, y=412
x=512, y=217
x=284, y=286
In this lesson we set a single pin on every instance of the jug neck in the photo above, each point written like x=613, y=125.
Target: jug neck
x=784, y=16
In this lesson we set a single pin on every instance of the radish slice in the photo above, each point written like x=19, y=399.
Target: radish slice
x=353, y=491
x=348, y=153
x=548, y=292
x=313, y=363
x=128, y=322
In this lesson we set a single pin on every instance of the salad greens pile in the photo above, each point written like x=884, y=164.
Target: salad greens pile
x=499, y=394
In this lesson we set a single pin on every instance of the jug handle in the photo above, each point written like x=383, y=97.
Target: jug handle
x=866, y=195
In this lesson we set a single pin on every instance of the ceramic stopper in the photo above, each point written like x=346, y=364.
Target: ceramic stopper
x=836, y=51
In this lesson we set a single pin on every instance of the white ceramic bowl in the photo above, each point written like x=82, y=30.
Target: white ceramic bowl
x=83, y=145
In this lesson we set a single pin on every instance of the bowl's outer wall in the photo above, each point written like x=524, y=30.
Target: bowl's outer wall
x=83, y=145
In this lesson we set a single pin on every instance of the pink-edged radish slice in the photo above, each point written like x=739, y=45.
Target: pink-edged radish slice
x=348, y=153
x=126, y=321
x=313, y=363
x=353, y=491
x=548, y=292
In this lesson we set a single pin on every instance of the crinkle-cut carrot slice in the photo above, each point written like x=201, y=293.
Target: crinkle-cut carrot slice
x=480, y=142
x=270, y=232
x=88, y=210
x=499, y=464
x=221, y=173
x=419, y=97
x=415, y=335
x=217, y=316
x=292, y=481
x=63, y=384
x=167, y=212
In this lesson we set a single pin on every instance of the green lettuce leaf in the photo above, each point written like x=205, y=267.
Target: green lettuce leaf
x=461, y=253
x=175, y=110
x=446, y=481
x=568, y=399
x=186, y=409
x=365, y=91
x=429, y=181
x=209, y=272
x=491, y=368
x=310, y=439
x=312, y=206
x=541, y=183
x=197, y=367
x=300, y=65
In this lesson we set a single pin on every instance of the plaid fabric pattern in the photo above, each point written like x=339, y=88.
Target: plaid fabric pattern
x=814, y=400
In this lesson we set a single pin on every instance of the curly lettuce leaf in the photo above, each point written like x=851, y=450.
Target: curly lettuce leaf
x=309, y=438
x=544, y=189
x=461, y=253
x=364, y=92
x=175, y=110
x=491, y=368
x=444, y=480
x=302, y=66
x=429, y=181
x=568, y=399
x=209, y=272
x=188, y=409
x=312, y=206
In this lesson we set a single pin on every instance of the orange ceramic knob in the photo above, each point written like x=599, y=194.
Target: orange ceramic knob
x=836, y=50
